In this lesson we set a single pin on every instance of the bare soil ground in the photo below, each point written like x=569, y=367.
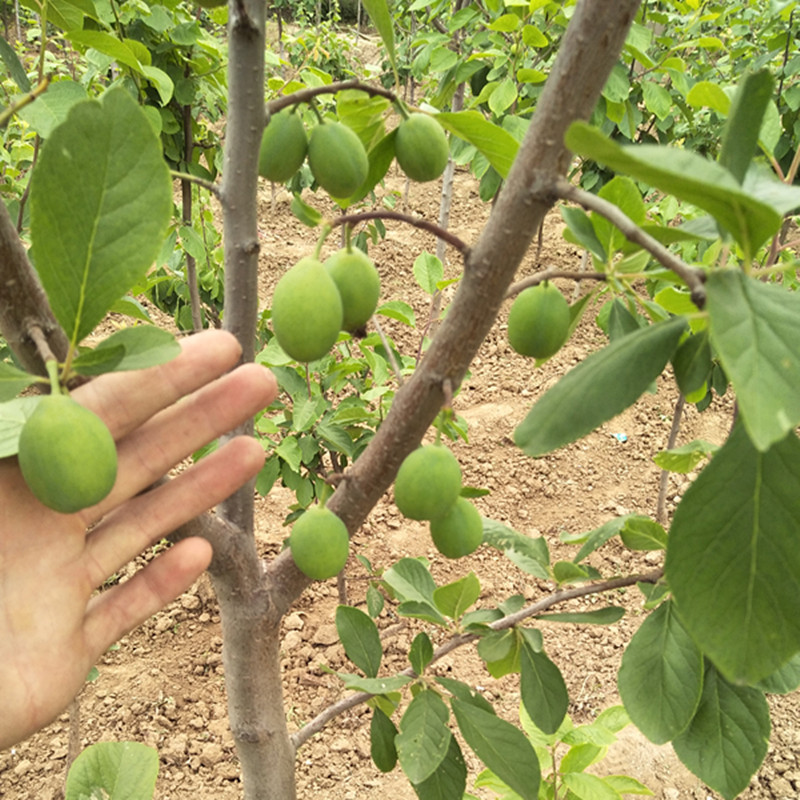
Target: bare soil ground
x=164, y=684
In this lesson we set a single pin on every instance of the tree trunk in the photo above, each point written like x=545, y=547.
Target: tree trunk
x=250, y=623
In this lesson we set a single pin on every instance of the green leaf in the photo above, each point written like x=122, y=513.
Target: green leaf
x=496, y=645
x=52, y=108
x=306, y=411
x=624, y=784
x=570, y=572
x=138, y=347
x=580, y=230
x=397, y=309
x=428, y=271
x=544, y=693
x=421, y=610
x=529, y=554
x=448, y=780
x=620, y=321
x=581, y=756
x=14, y=66
x=465, y=693
x=689, y=177
x=503, y=96
x=501, y=652
x=13, y=415
x=502, y=747
x=382, y=732
x=740, y=137
x=643, y=533
x=692, y=362
x=685, y=458
x=600, y=387
x=107, y=44
x=360, y=638
x=709, y=94
x=375, y=601
x=307, y=214
x=375, y=686
x=494, y=142
x=424, y=737
x=124, y=770
x=421, y=652
x=726, y=740
x=623, y=193
x=661, y=676
x=785, y=680
x=486, y=779
x=381, y=17
x=409, y=579
x=289, y=450
x=596, y=538
x=733, y=563
x=602, y=616
x=455, y=598
x=657, y=99
x=753, y=328
x=101, y=200
x=590, y=787
x=13, y=381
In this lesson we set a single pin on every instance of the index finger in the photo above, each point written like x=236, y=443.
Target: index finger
x=124, y=400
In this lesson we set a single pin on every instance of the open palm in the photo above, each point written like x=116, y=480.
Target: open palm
x=53, y=624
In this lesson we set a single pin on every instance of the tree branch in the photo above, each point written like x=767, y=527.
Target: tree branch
x=417, y=222
x=23, y=303
x=692, y=277
x=305, y=95
x=551, y=275
x=509, y=621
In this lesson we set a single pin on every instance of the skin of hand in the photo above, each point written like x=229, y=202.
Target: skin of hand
x=53, y=624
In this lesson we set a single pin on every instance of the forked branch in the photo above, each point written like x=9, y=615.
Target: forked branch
x=459, y=640
x=694, y=278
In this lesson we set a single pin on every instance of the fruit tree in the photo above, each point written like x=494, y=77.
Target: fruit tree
x=683, y=217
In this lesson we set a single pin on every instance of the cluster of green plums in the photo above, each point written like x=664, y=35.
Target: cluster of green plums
x=336, y=156
x=314, y=300
x=67, y=455
x=428, y=487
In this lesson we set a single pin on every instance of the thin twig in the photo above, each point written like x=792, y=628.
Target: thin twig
x=417, y=222
x=692, y=277
x=187, y=176
x=331, y=712
x=304, y=95
x=26, y=99
x=661, y=511
x=550, y=275
x=39, y=339
x=389, y=351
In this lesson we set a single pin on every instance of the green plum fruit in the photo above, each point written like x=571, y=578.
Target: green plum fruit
x=306, y=311
x=538, y=321
x=283, y=147
x=421, y=148
x=67, y=455
x=337, y=159
x=427, y=483
x=319, y=543
x=358, y=283
x=459, y=532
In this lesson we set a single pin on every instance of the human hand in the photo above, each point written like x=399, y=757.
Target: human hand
x=52, y=628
